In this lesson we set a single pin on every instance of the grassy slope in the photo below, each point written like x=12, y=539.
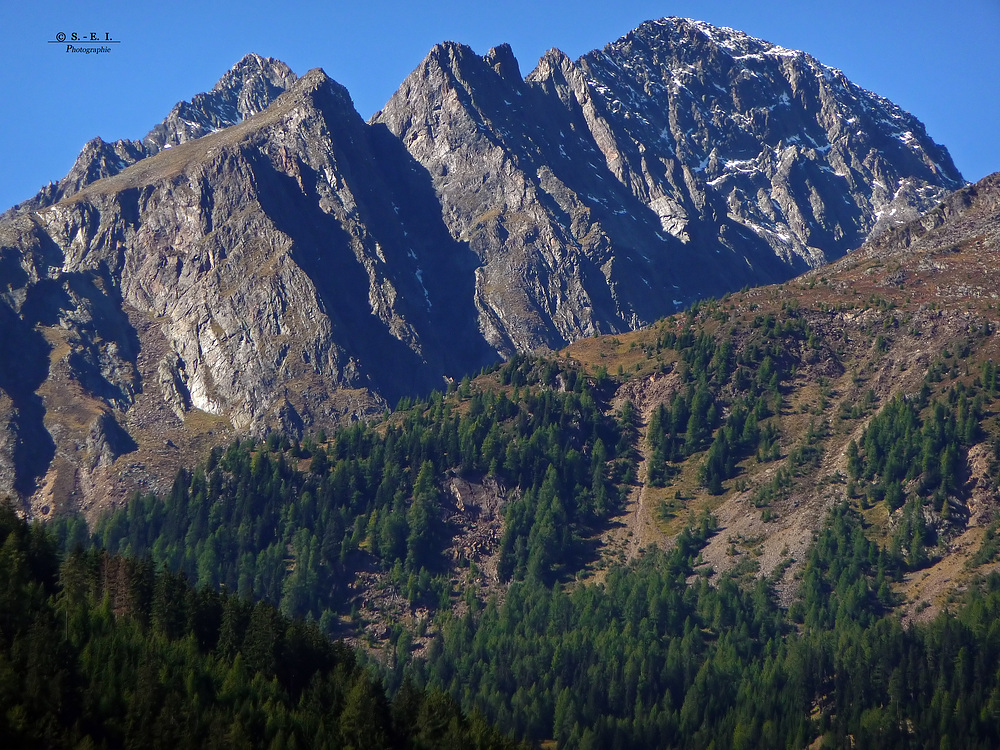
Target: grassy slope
x=918, y=299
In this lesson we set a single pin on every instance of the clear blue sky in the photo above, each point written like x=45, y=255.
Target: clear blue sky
x=940, y=61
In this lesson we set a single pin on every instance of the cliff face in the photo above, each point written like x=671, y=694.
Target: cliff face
x=798, y=154
x=264, y=258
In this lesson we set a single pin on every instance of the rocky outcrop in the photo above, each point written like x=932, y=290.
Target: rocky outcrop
x=287, y=271
x=790, y=145
x=248, y=88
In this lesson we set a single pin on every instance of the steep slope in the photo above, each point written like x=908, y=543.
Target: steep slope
x=527, y=205
x=892, y=348
x=797, y=153
x=263, y=258
x=551, y=469
x=680, y=161
x=820, y=462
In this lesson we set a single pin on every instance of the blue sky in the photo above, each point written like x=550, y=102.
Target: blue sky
x=940, y=61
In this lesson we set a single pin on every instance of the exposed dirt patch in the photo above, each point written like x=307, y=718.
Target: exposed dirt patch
x=639, y=525
x=926, y=592
x=472, y=507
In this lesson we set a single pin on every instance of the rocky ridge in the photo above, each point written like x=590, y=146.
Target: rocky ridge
x=246, y=89
x=680, y=161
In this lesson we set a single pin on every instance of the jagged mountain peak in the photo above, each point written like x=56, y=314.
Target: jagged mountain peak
x=738, y=160
x=459, y=60
x=553, y=58
x=740, y=116
x=253, y=67
x=246, y=89
x=689, y=29
x=287, y=270
x=502, y=60
x=447, y=54
x=317, y=82
x=298, y=122
x=445, y=63
x=740, y=74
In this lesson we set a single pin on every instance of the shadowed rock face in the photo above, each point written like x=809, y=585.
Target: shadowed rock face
x=266, y=259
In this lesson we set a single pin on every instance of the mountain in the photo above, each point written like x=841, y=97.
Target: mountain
x=729, y=433
x=271, y=273
x=266, y=259
x=681, y=161
x=246, y=89
x=877, y=375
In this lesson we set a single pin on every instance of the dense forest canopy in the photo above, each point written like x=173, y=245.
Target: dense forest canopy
x=102, y=651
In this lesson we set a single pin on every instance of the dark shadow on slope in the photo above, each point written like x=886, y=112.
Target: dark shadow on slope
x=24, y=351
x=322, y=249
x=98, y=321
x=24, y=366
x=453, y=336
